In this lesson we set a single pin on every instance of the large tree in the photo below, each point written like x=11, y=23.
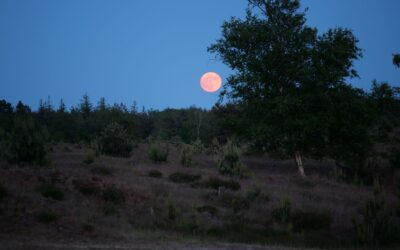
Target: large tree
x=291, y=82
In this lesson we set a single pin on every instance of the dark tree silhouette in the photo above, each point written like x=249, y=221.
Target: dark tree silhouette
x=290, y=81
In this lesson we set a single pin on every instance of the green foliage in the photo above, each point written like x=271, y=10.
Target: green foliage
x=3, y=192
x=115, y=141
x=89, y=157
x=27, y=143
x=158, y=151
x=113, y=195
x=216, y=183
x=374, y=225
x=179, y=177
x=235, y=202
x=186, y=155
x=47, y=216
x=228, y=161
x=289, y=85
x=51, y=191
x=255, y=194
x=155, y=173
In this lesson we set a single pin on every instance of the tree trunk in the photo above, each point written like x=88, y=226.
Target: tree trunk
x=299, y=163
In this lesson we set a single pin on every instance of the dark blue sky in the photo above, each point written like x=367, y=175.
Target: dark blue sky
x=154, y=52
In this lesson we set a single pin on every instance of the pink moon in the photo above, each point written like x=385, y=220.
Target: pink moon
x=210, y=82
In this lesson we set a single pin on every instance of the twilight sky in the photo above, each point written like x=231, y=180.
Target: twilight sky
x=154, y=52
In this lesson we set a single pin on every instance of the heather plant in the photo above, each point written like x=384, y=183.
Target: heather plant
x=115, y=141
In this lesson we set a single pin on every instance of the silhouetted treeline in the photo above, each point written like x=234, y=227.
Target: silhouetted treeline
x=87, y=120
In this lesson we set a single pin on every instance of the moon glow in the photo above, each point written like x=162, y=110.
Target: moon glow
x=210, y=82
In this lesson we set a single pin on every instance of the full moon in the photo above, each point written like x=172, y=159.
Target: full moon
x=210, y=82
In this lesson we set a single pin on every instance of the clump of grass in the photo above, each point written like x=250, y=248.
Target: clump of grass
x=50, y=191
x=158, y=151
x=228, y=161
x=113, y=195
x=87, y=188
x=179, y=177
x=237, y=203
x=46, y=216
x=101, y=170
x=89, y=157
x=216, y=183
x=3, y=192
x=155, y=173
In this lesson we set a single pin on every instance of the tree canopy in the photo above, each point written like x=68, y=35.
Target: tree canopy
x=291, y=82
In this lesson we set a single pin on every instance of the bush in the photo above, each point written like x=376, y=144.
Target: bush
x=255, y=194
x=228, y=161
x=186, y=156
x=87, y=227
x=89, y=158
x=46, y=216
x=115, y=141
x=312, y=220
x=216, y=183
x=27, y=143
x=113, y=195
x=50, y=191
x=3, y=192
x=155, y=174
x=179, y=177
x=374, y=224
x=158, y=151
x=101, y=170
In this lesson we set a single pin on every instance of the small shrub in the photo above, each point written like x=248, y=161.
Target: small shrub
x=155, y=174
x=101, y=170
x=3, y=192
x=89, y=158
x=27, y=143
x=179, y=177
x=228, y=161
x=198, y=146
x=216, y=183
x=186, y=156
x=158, y=151
x=87, y=188
x=46, y=216
x=113, y=195
x=50, y=191
x=115, y=141
x=311, y=220
x=283, y=213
